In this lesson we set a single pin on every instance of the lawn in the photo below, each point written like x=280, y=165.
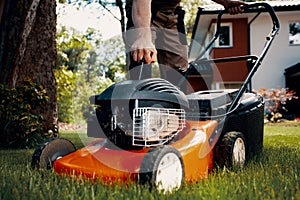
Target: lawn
x=275, y=174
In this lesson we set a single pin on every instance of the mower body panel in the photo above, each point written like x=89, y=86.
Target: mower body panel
x=247, y=117
x=103, y=160
x=98, y=161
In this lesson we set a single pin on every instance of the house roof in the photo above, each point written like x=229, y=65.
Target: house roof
x=292, y=5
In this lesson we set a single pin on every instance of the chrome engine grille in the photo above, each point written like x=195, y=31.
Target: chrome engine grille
x=156, y=126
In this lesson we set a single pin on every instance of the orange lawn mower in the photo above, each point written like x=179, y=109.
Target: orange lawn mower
x=149, y=131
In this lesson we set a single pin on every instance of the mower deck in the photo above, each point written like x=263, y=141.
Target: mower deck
x=109, y=163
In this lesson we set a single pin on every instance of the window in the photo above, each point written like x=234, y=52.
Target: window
x=294, y=33
x=225, y=38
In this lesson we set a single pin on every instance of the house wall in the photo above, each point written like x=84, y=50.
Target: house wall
x=280, y=55
x=233, y=71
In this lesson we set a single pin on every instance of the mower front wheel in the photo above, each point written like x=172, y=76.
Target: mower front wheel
x=231, y=150
x=49, y=151
x=163, y=168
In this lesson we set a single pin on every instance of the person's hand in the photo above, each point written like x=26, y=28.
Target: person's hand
x=142, y=48
x=234, y=7
x=147, y=55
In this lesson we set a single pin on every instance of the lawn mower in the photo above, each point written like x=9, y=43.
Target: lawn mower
x=149, y=131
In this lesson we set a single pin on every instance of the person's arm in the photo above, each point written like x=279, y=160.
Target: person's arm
x=233, y=6
x=141, y=13
x=143, y=47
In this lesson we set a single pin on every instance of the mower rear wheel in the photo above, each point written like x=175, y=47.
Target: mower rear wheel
x=49, y=151
x=162, y=167
x=231, y=150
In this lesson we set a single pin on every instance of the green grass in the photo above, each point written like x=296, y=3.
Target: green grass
x=273, y=175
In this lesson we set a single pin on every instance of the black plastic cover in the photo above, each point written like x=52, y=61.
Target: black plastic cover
x=146, y=89
x=209, y=103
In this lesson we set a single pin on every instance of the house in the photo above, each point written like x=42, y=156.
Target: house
x=245, y=34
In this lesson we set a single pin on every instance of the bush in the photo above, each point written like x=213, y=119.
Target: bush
x=20, y=127
x=275, y=101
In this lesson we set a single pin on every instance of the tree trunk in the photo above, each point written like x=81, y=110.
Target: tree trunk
x=119, y=3
x=28, y=49
x=1, y=8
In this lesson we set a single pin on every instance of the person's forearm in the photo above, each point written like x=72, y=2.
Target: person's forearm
x=233, y=6
x=142, y=47
x=141, y=13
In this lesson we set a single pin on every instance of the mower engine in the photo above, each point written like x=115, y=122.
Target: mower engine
x=138, y=113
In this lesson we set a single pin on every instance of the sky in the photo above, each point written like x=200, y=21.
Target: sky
x=90, y=16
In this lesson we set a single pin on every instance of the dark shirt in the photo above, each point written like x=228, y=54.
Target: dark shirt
x=165, y=4
x=156, y=5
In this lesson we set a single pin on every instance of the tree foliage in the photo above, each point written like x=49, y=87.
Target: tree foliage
x=191, y=9
x=72, y=48
x=65, y=86
x=97, y=65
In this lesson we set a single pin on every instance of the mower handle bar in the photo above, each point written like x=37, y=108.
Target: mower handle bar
x=259, y=7
x=270, y=38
